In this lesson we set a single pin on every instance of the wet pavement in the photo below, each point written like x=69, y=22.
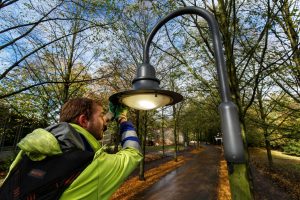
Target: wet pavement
x=196, y=179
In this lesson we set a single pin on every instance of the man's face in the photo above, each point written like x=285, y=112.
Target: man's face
x=97, y=123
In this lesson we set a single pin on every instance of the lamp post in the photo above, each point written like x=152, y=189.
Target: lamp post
x=146, y=88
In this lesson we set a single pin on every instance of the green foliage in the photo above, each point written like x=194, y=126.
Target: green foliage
x=274, y=119
x=292, y=148
x=13, y=127
x=255, y=136
x=5, y=164
x=201, y=116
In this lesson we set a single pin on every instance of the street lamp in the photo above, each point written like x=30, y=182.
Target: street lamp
x=147, y=95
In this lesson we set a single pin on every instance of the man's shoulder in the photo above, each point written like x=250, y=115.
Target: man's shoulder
x=67, y=136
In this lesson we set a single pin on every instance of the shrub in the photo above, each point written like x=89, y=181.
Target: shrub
x=292, y=148
x=4, y=165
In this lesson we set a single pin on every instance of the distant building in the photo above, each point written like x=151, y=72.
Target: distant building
x=169, y=137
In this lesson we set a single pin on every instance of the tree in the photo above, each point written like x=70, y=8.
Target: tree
x=61, y=70
x=35, y=38
x=287, y=48
x=143, y=135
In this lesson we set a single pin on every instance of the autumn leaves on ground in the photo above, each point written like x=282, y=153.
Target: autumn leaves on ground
x=285, y=175
x=285, y=172
x=133, y=185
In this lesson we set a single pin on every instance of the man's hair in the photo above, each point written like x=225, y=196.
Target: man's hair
x=76, y=107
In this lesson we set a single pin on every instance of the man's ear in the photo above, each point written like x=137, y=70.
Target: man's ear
x=82, y=120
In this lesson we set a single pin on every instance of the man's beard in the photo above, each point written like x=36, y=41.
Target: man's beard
x=104, y=128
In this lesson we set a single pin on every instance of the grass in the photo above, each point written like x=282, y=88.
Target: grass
x=280, y=160
x=285, y=171
x=286, y=161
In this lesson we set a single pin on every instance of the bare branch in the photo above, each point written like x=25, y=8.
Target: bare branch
x=39, y=48
x=7, y=3
x=31, y=29
x=50, y=82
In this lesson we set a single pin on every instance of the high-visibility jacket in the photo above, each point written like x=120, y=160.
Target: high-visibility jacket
x=103, y=175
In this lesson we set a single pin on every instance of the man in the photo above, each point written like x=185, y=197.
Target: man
x=82, y=122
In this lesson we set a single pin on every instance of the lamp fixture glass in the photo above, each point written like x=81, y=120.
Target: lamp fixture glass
x=146, y=101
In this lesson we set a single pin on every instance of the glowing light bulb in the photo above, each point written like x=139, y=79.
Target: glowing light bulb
x=146, y=101
x=146, y=104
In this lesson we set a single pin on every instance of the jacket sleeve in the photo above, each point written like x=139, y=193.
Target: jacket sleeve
x=121, y=164
x=107, y=171
x=128, y=136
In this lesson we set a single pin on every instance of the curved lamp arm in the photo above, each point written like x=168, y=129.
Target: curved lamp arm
x=222, y=74
x=232, y=138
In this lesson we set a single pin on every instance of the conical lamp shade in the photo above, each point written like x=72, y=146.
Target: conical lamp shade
x=146, y=99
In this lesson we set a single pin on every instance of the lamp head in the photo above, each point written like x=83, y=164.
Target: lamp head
x=146, y=94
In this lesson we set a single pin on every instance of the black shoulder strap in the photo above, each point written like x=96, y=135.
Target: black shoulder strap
x=46, y=179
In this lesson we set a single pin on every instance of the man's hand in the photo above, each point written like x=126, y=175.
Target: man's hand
x=117, y=112
x=110, y=115
x=121, y=112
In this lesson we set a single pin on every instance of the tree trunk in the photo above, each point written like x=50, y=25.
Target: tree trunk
x=19, y=133
x=142, y=169
x=198, y=139
x=175, y=133
x=268, y=148
x=201, y=137
x=143, y=141
x=116, y=140
x=239, y=184
x=240, y=177
x=163, y=132
x=67, y=78
x=2, y=138
x=176, y=144
x=263, y=116
x=186, y=139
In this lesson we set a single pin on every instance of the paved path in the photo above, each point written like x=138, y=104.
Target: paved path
x=196, y=179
